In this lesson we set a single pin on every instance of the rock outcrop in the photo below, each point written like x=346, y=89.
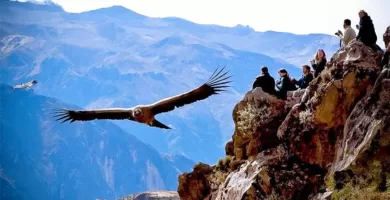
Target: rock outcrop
x=153, y=195
x=309, y=147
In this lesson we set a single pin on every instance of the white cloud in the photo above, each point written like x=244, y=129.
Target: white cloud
x=295, y=16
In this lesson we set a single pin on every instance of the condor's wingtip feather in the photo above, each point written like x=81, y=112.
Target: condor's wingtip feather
x=216, y=75
x=221, y=75
x=219, y=80
x=62, y=115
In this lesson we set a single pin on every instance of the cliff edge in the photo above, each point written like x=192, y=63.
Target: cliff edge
x=334, y=144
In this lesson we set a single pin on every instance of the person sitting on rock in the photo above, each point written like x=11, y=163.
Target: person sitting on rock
x=306, y=78
x=349, y=33
x=386, y=36
x=366, y=28
x=319, y=62
x=265, y=81
x=284, y=84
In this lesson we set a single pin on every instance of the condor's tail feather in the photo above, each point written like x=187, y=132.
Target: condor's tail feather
x=158, y=124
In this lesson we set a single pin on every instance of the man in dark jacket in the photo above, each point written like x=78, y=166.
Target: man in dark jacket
x=284, y=84
x=366, y=28
x=306, y=78
x=265, y=81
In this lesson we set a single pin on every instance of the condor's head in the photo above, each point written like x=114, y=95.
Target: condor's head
x=137, y=114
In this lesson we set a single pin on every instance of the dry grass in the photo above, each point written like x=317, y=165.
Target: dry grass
x=223, y=164
x=249, y=118
x=356, y=192
x=362, y=188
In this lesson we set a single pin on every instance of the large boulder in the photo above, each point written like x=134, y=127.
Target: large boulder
x=256, y=118
x=194, y=185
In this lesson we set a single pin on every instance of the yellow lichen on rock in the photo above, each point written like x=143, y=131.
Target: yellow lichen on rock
x=326, y=110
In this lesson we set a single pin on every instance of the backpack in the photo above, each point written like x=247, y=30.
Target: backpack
x=386, y=36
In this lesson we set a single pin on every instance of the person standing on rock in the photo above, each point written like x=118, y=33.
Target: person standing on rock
x=349, y=33
x=284, y=84
x=306, y=78
x=386, y=36
x=319, y=62
x=366, y=28
x=265, y=81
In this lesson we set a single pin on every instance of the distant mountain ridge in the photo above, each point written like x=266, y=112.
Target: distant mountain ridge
x=297, y=49
x=43, y=159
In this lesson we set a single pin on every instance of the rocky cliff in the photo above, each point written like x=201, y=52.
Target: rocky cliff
x=333, y=144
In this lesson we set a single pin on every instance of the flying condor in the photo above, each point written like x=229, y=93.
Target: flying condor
x=146, y=113
x=25, y=85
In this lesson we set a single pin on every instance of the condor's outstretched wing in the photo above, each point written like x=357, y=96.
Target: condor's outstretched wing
x=216, y=83
x=87, y=115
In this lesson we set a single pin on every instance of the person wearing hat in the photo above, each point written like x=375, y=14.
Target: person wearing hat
x=265, y=81
x=284, y=84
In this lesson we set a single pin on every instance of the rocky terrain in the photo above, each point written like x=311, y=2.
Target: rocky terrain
x=153, y=195
x=334, y=144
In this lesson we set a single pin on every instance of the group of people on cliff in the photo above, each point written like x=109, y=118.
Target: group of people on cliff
x=366, y=29
x=280, y=87
x=366, y=35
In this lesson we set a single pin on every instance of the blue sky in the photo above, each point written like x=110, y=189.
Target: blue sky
x=295, y=16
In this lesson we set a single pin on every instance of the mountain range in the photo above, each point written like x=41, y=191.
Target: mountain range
x=41, y=159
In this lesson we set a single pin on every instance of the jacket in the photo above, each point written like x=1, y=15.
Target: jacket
x=304, y=81
x=348, y=36
x=266, y=82
x=318, y=67
x=284, y=85
x=366, y=31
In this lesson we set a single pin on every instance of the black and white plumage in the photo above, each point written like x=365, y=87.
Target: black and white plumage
x=25, y=85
